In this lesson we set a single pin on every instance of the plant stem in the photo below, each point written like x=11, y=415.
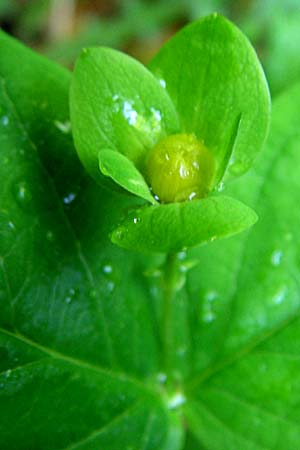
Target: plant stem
x=169, y=289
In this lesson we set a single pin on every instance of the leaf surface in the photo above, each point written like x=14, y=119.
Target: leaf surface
x=81, y=358
x=173, y=227
x=121, y=170
x=117, y=103
x=215, y=80
x=246, y=383
x=70, y=342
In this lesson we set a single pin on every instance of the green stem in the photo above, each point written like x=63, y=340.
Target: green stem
x=169, y=289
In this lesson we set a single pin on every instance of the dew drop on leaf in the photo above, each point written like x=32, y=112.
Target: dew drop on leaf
x=111, y=276
x=64, y=127
x=72, y=292
x=161, y=377
x=276, y=258
x=279, y=295
x=22, y=194
x=220, y=187
x=69, y=198
x=4, y=120
x=176, y=400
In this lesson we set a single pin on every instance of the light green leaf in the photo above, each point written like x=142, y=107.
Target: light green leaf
x=121, y=170
x=173, y=227
x=117, y=103
x=215, y=80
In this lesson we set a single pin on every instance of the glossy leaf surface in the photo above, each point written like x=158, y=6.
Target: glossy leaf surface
x=219, y=90
x=117, y=103
x=81, y=358
x=173, y=227
x=120, y=169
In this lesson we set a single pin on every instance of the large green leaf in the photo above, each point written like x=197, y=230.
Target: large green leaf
x=82, y=365
x=70, y=336
x=219, y=90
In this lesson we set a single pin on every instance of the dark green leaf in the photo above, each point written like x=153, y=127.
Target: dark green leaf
x=121, y=170
x=117, y=103
x=70, y=342
x=218, y=87
x=172, y=227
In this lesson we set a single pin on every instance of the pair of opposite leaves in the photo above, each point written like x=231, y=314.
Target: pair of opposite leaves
x=203, y=102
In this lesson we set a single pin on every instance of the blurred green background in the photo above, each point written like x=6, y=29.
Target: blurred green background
x=60, y=28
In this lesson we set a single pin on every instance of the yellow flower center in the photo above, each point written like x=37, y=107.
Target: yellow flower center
x=180, y=168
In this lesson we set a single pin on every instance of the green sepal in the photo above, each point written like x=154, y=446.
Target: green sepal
x=121, y=170
x=175, y=226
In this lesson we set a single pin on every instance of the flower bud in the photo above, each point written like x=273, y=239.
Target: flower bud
x=180, y=168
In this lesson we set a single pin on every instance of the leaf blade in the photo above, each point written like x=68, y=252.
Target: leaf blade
x=121, y=170
x=216, y=82
x=127, y=107
x=172, y=227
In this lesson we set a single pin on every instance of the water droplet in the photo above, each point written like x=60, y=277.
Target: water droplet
x=136, y=219
x=107, y=268
x=237, y=167
x=129, y=112
x=71, y=295
x=220, y=186
x=111, y=276
x=181, y=255
x=22, y=194
x=4, y=120
x=208, y=314
x=8, y=373
x=276, y=257
x=11, y=225
x=163, y=83
x=69, y=198
x=110, y=286
x=64, y=127
x=161, y=377
x=192, y=195
x=279, y=296
x=213, y=238
x=176, y=400
x=157, y=116
x=208, y=317
x=210, y=296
